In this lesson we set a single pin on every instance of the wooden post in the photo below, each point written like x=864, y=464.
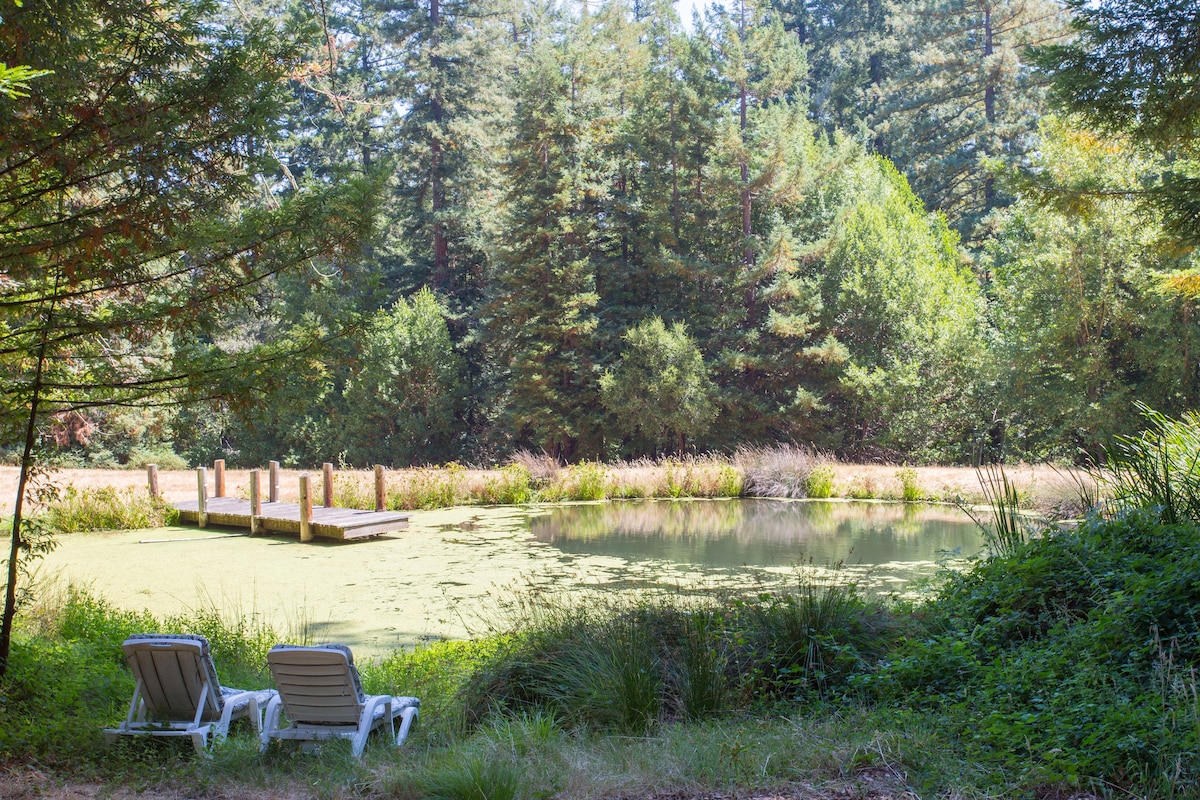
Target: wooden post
x=306, y=534
x=327, y=484
x=273, y=483
x=380, y=489
x=219, y=478
x=201, y=497
x=152, y=477
x=255, y=503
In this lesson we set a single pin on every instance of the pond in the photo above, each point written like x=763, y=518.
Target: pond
x=451, y=574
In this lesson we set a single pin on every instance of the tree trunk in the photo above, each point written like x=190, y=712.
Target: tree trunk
x=989, y=105
x=437, y=190
x=17, y=543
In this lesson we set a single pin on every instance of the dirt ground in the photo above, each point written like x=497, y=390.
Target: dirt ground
x=26, y=783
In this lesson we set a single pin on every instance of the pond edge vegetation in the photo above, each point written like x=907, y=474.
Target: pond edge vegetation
x=1064, y=662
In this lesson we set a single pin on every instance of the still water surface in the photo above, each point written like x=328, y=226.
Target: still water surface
x=452, y=572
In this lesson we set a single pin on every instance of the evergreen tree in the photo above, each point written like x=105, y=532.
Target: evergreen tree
x=133, y=213
x=541, y=318
x=658, y=392
x=966, y=100
x=1133, y=68
x=899, y=298
x=454, y=57
x=404, y=396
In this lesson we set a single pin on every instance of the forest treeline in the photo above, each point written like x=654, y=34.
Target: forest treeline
x=584, y=228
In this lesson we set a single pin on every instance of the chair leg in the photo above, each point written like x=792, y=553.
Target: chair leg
x=408, y=717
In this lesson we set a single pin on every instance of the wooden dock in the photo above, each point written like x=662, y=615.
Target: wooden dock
x=302, y=518
x=331, y=523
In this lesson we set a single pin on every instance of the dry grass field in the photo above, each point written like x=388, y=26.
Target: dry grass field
x=1042, y=487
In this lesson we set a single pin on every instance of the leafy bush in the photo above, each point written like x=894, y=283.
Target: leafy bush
x=910, y=490
x=1069, y=657
x=106, y=509
x=819, y=484
x=512, y=486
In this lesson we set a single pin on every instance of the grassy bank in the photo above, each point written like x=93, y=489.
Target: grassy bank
x=793, y=472
x=1063, y=665
x=1067, y=665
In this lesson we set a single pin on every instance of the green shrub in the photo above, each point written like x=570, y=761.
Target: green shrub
x=512, y=486
x=430, y=487
x=910, y=491
x=162, y=456
x=588, y=481
x=106, y=509
x=730, y=482
x=805, y=644
x=819, y=483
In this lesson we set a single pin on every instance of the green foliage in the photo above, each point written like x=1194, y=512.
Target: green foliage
x=1131, y=68
x=806, y=644
x=897, y=297
x=910, y=491
x=730, y=482
x=961, y=100
x=659, y=389
x=819, y=483
x=630, y=667
x=428, y=487
x=1063, y=657
x=512, y=486
x=106, y=509
x=406, y=391
x=1085, y=327
x=473, y=778
x=1160, y=469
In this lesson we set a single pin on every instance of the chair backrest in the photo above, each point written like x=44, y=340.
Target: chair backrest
x=173, y=670
x=318, y=685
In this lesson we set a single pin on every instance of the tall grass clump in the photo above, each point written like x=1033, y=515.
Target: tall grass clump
x=106, y=509
x=627, y=667
x=429, y=487
x=910, y=490
x=819, y=484
x=512, y=485
x=1009, y=528
x=807, y=643
x=588, y=480
x=476, y=776
x=778, y=471
x=1158, y=469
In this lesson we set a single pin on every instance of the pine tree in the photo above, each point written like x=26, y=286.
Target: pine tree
x=541, y=317
x=1133, y=69
x=966, y=99
x=454, y=57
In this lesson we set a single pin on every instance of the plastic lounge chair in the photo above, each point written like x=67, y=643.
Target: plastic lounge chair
x=321, y=695
x=178, y=694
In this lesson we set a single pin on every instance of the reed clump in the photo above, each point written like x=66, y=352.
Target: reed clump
x=783, y=470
